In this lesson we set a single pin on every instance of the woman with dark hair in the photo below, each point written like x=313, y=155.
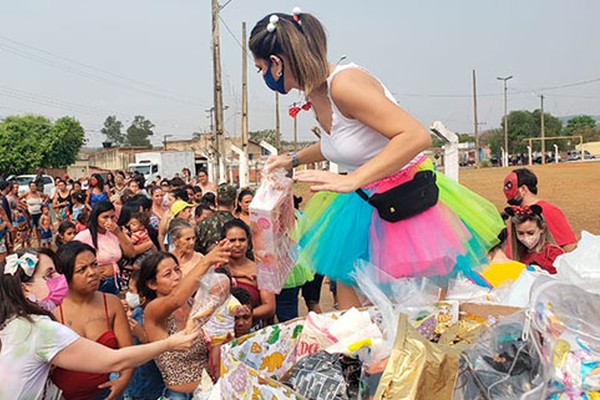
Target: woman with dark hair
x=110, y=182
x=242, y=210
x=120, y=184
x=209, y=199
x=236, y=232
x=61, y=202
x=31, y=341
x=110, y=242
x=93, y=315
x=158, y=208
x=168, y=311
x=96, y=192
x=204, y=183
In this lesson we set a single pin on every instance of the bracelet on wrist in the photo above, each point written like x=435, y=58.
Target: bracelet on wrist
x=294, y=158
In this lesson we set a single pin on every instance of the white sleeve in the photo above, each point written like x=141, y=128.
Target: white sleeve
x=51, y=338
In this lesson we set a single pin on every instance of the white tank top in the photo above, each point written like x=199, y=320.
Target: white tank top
x=350, y=144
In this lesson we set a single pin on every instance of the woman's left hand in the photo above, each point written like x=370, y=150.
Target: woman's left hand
x=116, y=387
x=327, y=181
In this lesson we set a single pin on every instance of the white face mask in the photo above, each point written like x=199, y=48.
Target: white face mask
x=133, y=300
x=531, y=241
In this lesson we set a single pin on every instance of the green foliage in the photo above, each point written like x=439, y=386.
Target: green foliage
x=465, y=138
x=268, y=135
x=139, y=131
x=524, y=124
x=31, y=141
x=112, y=129
x=583, y=125
x=66, y=139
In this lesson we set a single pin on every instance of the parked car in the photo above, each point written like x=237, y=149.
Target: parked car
x=575, y=155
x=24, y=180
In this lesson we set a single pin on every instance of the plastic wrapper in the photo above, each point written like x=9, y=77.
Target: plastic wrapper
x=272, y=219
x=418, y=369
x=214, y=289
x=580, y=266
x=325, y=376
x=566, y=329
x=500, y=364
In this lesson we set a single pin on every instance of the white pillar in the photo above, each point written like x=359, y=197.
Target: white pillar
x=555, y=154
x=243, y=168
x=450, y=149
x=529, y=155
x=267, y=146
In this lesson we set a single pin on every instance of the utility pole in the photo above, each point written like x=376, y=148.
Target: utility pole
x=218, y=93
x=295, y=133
x=475, y=123
x=505, y=118
x=543, y=130
x=244, y=105
x=277, y=126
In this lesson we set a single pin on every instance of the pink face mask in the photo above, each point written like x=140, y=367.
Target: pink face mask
x=531, y=241
x=58, y=288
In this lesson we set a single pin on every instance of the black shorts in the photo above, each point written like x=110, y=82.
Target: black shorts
x=311, y=291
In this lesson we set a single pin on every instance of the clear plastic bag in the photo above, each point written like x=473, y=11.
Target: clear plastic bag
x=272, y=219
x=581, y=266
x=213, y=291
x=566, y=331
x=502, y=364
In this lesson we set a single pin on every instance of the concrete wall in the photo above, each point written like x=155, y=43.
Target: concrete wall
x=114, y=158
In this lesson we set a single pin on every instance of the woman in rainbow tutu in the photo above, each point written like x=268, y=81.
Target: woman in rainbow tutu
x=419, y=223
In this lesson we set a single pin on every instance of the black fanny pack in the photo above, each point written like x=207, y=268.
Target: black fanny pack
x=406, y=200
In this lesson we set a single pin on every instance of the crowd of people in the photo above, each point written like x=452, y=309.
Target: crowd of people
x=111, y=307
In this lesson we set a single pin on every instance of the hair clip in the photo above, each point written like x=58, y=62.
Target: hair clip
x=273, y=20
x=296, y=14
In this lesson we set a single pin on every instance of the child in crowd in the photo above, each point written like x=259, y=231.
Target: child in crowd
x=23, y=230
x=243, y=319
x=139, y=235
x=531, y=241
x=45, y=228
x=146, y=382
x=81, y=222
x=78, y=205
x=66, y=232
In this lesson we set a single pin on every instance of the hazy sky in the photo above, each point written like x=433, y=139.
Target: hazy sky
x=128, y=57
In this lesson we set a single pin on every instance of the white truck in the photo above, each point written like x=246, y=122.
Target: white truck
x=163, y=163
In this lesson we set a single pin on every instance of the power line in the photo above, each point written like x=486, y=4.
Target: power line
x=51, y=61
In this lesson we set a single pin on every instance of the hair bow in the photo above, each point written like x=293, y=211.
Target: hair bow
x=272, y=25
x=524, y=210
x=296, y=15
x=295, y=108
x=27, y=262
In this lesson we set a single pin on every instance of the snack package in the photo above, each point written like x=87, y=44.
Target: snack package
x=244, y=382
x=272, y=219
x=213, y=291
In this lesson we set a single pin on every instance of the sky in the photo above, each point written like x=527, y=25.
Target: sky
x=153, y=58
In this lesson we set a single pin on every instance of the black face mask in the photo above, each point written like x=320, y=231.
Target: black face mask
x=515, y=202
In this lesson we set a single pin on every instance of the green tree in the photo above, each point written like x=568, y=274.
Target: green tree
x=582, y=125
x=64, y=142
x=524, y=124
x=139, y=131
x=112, y=129
x=268, y=135
x=493, y=138
x=23, y=143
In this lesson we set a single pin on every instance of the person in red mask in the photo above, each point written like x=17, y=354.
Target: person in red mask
x=96, y=192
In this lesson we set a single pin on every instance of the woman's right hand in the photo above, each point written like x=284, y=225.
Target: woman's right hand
x=220, y=254
x=280, y=161
x=183, y=340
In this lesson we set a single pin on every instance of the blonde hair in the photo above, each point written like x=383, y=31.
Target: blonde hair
x=302, y=43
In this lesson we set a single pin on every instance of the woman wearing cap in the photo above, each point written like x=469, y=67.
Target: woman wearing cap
x=180, y=210
x=381, y=146
x=109, y=241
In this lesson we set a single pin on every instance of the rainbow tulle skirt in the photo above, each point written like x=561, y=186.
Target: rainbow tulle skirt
x=337, y=230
